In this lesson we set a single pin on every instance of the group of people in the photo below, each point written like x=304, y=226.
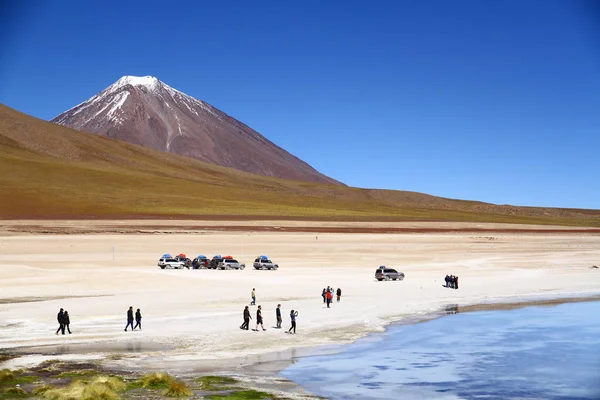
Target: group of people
x=138, y=319
x=328, y=294
x=451, y=281
x=259, y=318
x=63, y=321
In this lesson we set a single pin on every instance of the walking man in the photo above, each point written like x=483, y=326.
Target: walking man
x=339, y=294
x=293, y=315
x=138, y=319
x=278, y=315
x=66, y=322
x=456, y=282
x=447, y=279
x=247, y=319
x=259, y=320
x=324, y=295
x=253, y=295
x=129, y=318
x=61, y=324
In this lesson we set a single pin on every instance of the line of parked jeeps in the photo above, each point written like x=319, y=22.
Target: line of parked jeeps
x=180, y=261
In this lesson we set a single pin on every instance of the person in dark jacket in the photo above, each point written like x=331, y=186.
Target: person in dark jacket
x=278, y=315
x=324, y=295
x=259, y=320
x=447, y=280
x=247, y=319
x=339, y=294
x=129, y=319
x=138, y=319
x=293, y=315
x=456, y=282
x=61, y=322
x=66, y=322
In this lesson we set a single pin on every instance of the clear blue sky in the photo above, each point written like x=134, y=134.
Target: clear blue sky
x=496, y=101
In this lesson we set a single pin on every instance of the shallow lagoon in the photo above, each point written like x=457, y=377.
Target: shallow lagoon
x=529, y=353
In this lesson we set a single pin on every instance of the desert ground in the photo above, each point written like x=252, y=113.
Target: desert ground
x=191, y=318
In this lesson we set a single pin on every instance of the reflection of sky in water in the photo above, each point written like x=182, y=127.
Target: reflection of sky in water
x=531, y=353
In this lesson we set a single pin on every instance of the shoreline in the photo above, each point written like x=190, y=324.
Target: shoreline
x=274, y=361
x=263, y=373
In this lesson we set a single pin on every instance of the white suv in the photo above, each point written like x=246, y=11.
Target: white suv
x=170, y=263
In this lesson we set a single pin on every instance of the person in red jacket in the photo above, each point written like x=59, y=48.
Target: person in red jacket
x=329, y=296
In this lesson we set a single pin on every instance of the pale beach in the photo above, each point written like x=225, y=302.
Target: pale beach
x=191, y=318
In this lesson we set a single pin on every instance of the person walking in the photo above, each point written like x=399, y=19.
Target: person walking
x=247, y=319
x=129, y=318
x=253, y=295
x=329, y=296
x=259, y=319
x=456, y=282
x=293, y=315
x=60, y=319
x=447, y=279
x=339, y=294
x=138, y=319
x=324, y=295
x=278, y=315
x=66, y=322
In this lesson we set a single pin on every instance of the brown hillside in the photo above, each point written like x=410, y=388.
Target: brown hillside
x=49, y=171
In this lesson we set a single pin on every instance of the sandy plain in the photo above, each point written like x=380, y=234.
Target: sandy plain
x=191, y=318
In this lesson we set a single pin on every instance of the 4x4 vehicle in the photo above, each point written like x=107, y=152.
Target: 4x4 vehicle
x=214, y=263
x=170, y=263
x=383, y=273
x=230, y=263
x=263, y=262
x=200, y=262
x=186, y=261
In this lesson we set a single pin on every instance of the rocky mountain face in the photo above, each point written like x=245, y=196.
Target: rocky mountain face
x=147, y=112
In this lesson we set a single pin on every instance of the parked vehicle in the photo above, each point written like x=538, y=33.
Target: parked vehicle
x=383, y=273
x=214, y=262
x=263, y=262
x=170, y=263
x=200, y=262
x=229, y=262
x=186, y=261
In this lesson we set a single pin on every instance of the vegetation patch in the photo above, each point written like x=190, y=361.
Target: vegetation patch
x=13, y=378
x=157, y=380
x=243, y=395
x=98, y=388
x=213, y=383
x=40, y=390
x=178, y=389
x=77, y=374
x=14, y=393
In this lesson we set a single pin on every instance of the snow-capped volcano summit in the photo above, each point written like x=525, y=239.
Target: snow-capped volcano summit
x=147, y=112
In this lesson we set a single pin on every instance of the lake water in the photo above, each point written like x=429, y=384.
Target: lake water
x=529, y=353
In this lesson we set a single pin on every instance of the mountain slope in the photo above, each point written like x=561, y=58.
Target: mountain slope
x=49, y=171
x=147, y=112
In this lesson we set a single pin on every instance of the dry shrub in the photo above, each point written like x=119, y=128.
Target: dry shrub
x=157, y=380
x=99, y=388
x=15, y=392
x=178, y=389
x=6, y=375
x=39, y=391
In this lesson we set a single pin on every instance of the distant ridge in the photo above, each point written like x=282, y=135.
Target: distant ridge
x=147, y=112
x=48, y=171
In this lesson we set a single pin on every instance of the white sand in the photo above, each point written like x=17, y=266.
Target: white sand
x=195, y=314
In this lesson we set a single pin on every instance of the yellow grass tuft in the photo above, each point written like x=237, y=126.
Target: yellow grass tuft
x=98, y=388
x=178, y=389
